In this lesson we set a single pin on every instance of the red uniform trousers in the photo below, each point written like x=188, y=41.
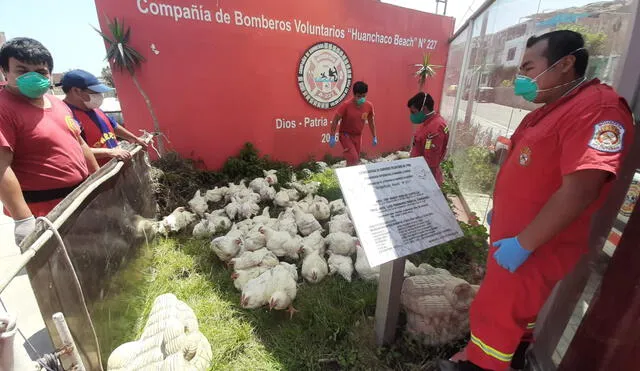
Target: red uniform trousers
x=505, y=309
x=39, y=208
x=351, y=144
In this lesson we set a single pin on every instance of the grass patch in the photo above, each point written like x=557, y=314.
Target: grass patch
x=332, y=331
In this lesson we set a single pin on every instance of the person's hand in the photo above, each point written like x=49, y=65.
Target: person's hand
x=332, y=141
x=141, y=142
x=23, y=228
x=119, y=154
x=510, y=254
x=375, y=141
x=489, y=217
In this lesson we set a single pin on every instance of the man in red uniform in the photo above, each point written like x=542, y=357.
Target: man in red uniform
x=42, y=156
x=561, y=161
x=84, y=98
x=352, y=116
x=431, y=137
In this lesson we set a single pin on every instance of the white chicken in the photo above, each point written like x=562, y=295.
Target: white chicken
x=178, y=219
x=248, y=209
x=293, y=270
x=242, y=276
x=363, y=268
x=203, y=229
x=226, y=247
x=294, y=195
x=310, y=188
x=342, y=265
x=217, y=194
x=287, y=223
x=337, y=207
x=307, y=224
x=282, y=199
x=314, y=267
x=267, y=194
x=198, y=204
x=341, y=223
x=320, y=199
x=320, y=211
x=219, y=221
x=305, y=204
x=283, y=289
x=313, y=242
x=341, y=243
x=271, y=176
x=263, y=218
x=282, y=243
x=232, y=209
x=254, y=240
x=249, y=259
x=243, y=226
x=257, y=292
x=257, y=184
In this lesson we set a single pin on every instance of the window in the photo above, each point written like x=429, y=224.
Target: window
x=511, y=54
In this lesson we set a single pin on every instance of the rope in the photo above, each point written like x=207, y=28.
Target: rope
x=50, y=362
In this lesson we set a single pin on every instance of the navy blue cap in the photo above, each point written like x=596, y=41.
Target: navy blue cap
x=83, y=80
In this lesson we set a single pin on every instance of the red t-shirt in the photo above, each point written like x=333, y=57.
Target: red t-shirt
x=44, y=142
x=430, y=142
x=354, y=116
x=591, y=128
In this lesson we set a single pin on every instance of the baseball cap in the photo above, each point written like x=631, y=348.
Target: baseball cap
x=83, y=80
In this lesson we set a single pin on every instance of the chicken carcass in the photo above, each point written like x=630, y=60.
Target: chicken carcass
x=362, y=266
x=178, y=219
x=306, y=203
x=267, y=194
x=232, y=209
x=226, y=247
x=341, y=243
x=203, y=229
x=337, y=207
x=198, y=204
x=294, y=195
x=282, y=199
x=248, y=209
x=283, y=289
x=307, y=224
x=342, y=265
x=257, y=184
x=218, y=221
x=314, y=267
x=270, y=176
x=254, y=240
x=341, y=223
x=287, y=223
x=257, y=292
x=216, y=195
x=310, y=188
x=313, y=242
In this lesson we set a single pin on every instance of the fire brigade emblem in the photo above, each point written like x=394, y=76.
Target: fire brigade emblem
x=324, y=75
x=607, y=137
x=525, y=156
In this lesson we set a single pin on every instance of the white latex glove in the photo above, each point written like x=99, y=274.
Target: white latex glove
x=23, y=228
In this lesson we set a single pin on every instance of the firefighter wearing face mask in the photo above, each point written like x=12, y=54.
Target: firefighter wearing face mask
x=560, y=164
x=84, y=95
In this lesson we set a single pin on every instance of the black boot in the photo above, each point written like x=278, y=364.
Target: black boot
x=446, y=365
x=519, y=360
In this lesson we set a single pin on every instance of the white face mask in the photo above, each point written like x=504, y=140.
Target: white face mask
x=95, y=101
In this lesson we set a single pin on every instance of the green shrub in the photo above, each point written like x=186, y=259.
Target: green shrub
x=329, y=186
x=474, y=170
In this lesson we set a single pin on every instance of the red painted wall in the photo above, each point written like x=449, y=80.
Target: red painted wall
x=215, y=86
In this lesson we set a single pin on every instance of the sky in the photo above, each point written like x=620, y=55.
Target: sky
x=64, y=26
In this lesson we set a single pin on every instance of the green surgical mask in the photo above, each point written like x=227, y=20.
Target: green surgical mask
x=33, y=85
x=360, y=101
x=418, y=117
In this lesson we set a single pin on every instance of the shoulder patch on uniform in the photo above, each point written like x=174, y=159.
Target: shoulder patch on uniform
x=607, y=137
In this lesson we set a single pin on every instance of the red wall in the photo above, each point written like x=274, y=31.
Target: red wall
x=215, y=86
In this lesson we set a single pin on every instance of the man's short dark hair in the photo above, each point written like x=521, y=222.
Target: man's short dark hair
x=360, y=88
x=25, y=50
x=562, y=43
x=416, y=102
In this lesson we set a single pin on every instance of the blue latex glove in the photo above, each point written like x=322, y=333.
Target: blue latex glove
x=332, y=141
x=489, y=217
x=375, y=141
x=510, y=254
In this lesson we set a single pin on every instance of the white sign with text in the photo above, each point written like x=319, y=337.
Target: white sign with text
x=397, y=208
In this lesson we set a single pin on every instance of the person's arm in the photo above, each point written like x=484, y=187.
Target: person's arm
x=122, y=132
x=372, y=125
x=577, y=192
x=117, y=153
x=10, y=190
x=92, y=164
x=335, y=123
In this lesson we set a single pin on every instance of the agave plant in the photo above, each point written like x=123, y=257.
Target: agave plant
x=124, y=57
x=425, y=70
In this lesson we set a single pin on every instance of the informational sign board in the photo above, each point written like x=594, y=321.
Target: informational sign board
x=397, y=208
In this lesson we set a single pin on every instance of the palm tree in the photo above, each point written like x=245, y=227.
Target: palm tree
x=425, y=70
x=124, y=56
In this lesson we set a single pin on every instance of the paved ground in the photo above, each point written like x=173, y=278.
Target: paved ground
x=19, y=300
x=502, y=119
